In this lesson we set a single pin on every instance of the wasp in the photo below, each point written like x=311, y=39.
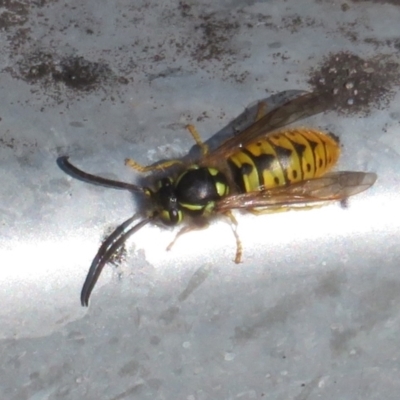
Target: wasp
x=264, y=168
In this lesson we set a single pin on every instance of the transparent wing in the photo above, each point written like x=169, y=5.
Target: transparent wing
x=334, y=186
x=301, y=107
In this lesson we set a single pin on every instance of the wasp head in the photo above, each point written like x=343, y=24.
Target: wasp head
x=167, y=202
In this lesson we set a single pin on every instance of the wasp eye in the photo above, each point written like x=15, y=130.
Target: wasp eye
x=171, y=217
x=165, y=217
x=175, y=216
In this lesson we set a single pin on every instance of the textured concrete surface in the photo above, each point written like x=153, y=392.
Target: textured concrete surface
x=312, y=312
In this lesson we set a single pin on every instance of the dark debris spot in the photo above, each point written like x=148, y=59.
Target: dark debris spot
x=17, y=145
x=394, y=2
x=76, y=73
x=122, y=80
x=349, y=31
x=80, y=74
x=17, y=12
x=185, y=9
x=202, y=117
x=38, y=67
x=7, y=143
x=358, y=84
x=294, y=23
x=42, y=3
x=13, y=13
x=215, y=35
x=394, y=42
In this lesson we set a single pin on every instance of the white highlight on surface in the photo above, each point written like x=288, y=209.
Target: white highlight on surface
x=229, y=356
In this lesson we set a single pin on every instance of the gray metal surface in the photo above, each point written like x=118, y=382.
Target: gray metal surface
x=312, y=312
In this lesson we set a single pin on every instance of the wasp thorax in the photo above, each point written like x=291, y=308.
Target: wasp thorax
x=194, y=193
x=198, y=188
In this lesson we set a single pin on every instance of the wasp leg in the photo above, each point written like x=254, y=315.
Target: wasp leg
x=148, y=168
x=204, y=224
x=239, y=247
x=196, y=136
x=167, y=164
x=261, y=111
x=187, y=229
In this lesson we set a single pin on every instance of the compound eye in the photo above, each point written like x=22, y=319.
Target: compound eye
x=171, y=217
x=165, y=217
x=175, y=216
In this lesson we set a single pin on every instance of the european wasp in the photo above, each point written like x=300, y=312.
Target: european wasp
x=261, y=169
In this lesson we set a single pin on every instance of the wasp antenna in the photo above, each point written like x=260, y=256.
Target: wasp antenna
x=75, y=172
x=107, y=249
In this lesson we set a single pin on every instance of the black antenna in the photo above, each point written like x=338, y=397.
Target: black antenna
x=107, y=249
x=75, y=172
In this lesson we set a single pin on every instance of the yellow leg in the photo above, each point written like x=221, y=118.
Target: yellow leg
x=164, y=165
x=148, y=168
x=234, y=224
x=193, y=131
x=239, y=247
x=184, y=230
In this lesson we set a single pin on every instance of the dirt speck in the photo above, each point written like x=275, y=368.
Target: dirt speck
x=358, y=84
x=18, y=146
x=215, y=34
x=185, y=9
x=393, y=42
x=349, y=30
x=294, y=23
x=80, y=74
x=13, y=13
x=394, y=2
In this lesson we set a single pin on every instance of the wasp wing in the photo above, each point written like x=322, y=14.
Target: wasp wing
x=334, y=186
x=301, y=107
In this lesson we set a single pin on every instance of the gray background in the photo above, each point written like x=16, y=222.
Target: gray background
x=312, y=312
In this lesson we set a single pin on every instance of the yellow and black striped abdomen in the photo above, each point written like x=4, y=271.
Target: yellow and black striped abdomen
x=282, y=158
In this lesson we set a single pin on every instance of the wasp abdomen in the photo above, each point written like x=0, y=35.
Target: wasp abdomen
x=283, y=157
